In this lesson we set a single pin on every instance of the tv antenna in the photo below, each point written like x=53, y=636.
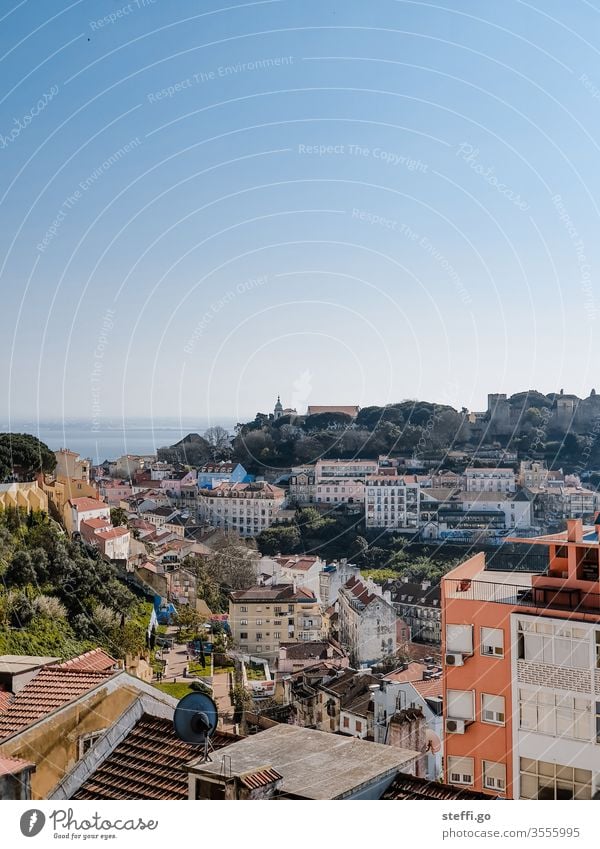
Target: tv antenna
x=195, y=721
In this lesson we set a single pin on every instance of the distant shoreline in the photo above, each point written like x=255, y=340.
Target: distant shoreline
x=113, y=437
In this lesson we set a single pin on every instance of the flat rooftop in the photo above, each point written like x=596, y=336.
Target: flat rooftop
x=487, y=586
x=15, y=663
x=314, y=764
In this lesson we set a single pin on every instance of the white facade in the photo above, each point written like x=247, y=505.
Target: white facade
x=490, y=480
x=358, y=469
x=394, y=696
x=556, y=707
x=392, y=502
x=246, y=509
x=339, y=491
x=79, y=516
x=367, y=622
x=517, y=514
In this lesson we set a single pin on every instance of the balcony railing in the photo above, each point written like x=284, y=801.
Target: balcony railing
x=538, y=597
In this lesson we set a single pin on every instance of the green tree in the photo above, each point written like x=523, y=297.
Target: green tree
x=118, y=517
x=24, y=456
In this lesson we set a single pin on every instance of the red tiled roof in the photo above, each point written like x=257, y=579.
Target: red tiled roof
x=52, y=688
x=5, y=700
x=96, y=523
x=12, y=766
x=274, y=592
x=148, y=764
x=429, y=689
x=409, y=787
x=96, y=660
x=260, y=778
x=294, y=561
x=113, y=533
x=84, y=504
x=414, y=672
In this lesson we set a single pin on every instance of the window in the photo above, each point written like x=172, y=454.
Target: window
x=460, y=770
x=459, y=638
x=258, y=637
x=494, y=776
x=559, y=715
x=243, y=621
x=358, y=726
x=243, y=610
x=277, y=635
x=543, y=780
x=461, y=704
x=259, y=621
x=243, y=635
x=560, y=645
x=87, y=741
x=492, y=642
x=492, y=709
x=346, y=722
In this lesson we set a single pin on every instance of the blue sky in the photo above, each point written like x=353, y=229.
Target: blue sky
x=342, y=202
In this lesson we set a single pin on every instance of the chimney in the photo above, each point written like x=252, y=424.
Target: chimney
x=574, y=530
x=425, y=585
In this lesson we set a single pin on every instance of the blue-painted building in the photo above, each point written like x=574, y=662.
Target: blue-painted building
x=214, y=473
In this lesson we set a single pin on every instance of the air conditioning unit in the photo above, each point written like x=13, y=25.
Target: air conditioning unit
x=454, y=659
x=456, y=726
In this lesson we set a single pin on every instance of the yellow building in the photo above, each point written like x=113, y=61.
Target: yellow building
x=60, y=490
x=70, y=465
x=27, y=496
x=59, y=711
x=262, y=617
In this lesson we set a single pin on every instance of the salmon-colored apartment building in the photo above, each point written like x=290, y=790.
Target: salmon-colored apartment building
x=522, y=671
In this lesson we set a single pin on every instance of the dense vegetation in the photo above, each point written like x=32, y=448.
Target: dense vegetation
x=383, y=556
x=398, y=428
x=409, y=428
x=23, y=456
x=57, y=596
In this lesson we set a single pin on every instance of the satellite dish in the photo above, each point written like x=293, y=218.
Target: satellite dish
x=195, y=718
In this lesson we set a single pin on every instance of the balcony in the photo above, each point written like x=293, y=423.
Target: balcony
x=537, y=597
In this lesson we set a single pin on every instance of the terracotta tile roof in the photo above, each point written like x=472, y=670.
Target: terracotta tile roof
x=414, y=672
x=52, y=688
x=12, y=766
x=429, y=689
x=84, y=504
x=97, y=523
x=409, y=787
x=274, y=592
x=96, y=660
x=5, y=700
x=148, y=764
x=260, y=778
x=113, y=533
x=298, y=562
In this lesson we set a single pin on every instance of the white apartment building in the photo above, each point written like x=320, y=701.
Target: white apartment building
x=556, y=707
x=246, y=508
x=358, y=469
x=392, y=502
x=490, y=480
x=517, y=508
x=302, y=569
x=78, y=510
x=342, y=490
x=367, y=622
